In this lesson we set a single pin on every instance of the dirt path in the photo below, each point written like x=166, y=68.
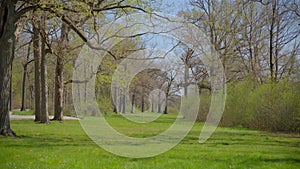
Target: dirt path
x=27, y=117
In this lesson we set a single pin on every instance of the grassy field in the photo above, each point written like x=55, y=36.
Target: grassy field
x=18, y=112
x=65, y=145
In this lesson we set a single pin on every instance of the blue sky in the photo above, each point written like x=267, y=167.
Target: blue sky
x=173, y=6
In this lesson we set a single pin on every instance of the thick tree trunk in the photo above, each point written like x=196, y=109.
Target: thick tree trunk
x=23, y=107
x=58, y=99
x=152, y=104
x=166, y=106
x=186, y=60
x=167, y=98
x=37, y=78
x=44, y=82
x=7, y=45
x=59, y=79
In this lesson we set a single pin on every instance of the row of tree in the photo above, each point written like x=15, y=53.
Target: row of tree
x=49, y=23
x=255, y=39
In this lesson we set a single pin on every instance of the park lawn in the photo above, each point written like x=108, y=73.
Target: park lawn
x=65, y=145
x=18, y=112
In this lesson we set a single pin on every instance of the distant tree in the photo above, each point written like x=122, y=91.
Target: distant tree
x=10, y=13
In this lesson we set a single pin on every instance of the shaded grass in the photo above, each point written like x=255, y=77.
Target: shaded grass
x=65, y=145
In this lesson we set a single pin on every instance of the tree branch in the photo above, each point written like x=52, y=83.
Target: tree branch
x=25, y=10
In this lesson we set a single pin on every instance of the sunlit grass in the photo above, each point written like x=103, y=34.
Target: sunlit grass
x=65, y=145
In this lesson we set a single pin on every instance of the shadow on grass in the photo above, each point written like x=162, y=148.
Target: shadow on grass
x=280, y=160
x=37, y=141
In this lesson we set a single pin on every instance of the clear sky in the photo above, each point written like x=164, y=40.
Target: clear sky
x=174, y=6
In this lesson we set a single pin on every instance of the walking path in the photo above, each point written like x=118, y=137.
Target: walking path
x=31, y=117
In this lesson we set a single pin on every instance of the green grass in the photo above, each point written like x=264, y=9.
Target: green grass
x=18, y=112
x=65, y=145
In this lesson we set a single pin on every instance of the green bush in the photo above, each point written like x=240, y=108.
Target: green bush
x=105, y=105
x=205, y=100
x=275, y=107
x=237, y=108
x=272, y=106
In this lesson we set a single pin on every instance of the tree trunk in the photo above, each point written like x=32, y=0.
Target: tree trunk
x=10, y=86
x=143, y=102
x=159, y=102
x=59, y=79
x=37, y=78
x=186, y=80
x=123, y=95
x=58, y=98
x=132, y=103
x=271, y=33
x=152, y=104
x=23, y=107
x=166, y=106
x=7, y=45
x=167, y=97
x=120, y=100
x=124, y=102
x=277, y=45
x=115, y=100
x=186, y=60
x=44, y=82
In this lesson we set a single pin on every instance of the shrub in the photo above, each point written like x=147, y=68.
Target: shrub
x=275, y=107
x=236, y=108
x=270, y=106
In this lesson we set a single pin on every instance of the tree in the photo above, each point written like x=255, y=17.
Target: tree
x=59, y=77
x=170, y=78
x=25, y=65
x=10, y=13
x=37, y=73
x=219, y=19
x=8, y=19
x=44, y=82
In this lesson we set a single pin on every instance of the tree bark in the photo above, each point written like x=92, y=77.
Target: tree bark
x=167, y=95
x=37, y=78
x=186, y=80
x=166, y=106
x=23, y=107
x=124, y=102
x=271, y=33
x=58, y=98
x=44, y=82
x=132, y=102
x=143, y=102
x=7, y=45
x=10, y=86
x=123, y=95
x=59, y=79
x=159, y=102
x=152, y=104
x=115, y=100
x=120, y=100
